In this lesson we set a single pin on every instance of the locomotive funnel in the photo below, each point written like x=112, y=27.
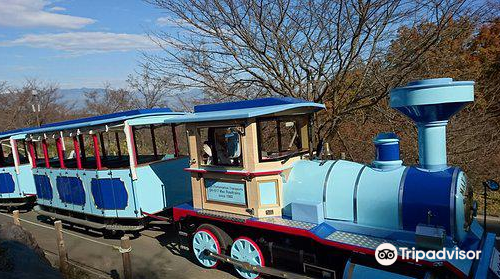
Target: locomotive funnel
x=430, y=103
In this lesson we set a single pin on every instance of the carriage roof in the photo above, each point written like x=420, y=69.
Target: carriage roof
x=103, y=119
x=202, y=113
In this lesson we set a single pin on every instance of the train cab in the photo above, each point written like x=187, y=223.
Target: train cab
x=17, y=190
x=238, y=154
x=110, y=172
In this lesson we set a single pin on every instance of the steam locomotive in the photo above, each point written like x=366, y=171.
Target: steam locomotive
x=282, y=212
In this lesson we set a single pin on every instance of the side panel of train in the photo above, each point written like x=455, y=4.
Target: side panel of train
x=9, y=187
x=17, y=188
x=112, y=175
x=113, y=193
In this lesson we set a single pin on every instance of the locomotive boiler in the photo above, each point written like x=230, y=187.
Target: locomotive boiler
x=387, y=194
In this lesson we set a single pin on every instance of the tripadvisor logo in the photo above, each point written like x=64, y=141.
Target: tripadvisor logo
x=386, y=254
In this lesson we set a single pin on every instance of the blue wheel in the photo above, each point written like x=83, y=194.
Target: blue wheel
x=246, y=250
x=203, y=240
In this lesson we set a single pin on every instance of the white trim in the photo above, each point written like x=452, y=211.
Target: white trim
x=15, y=155
x=130, y=148
x=63, y=145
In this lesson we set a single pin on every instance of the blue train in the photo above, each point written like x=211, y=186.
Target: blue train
x=245, y=186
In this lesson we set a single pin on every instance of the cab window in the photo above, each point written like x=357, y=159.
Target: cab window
x=281, y=137
x=221, y=146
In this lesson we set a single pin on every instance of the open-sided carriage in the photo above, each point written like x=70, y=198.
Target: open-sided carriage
x=110, y=172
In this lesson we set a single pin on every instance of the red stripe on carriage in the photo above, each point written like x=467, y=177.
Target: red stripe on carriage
x=240, y=173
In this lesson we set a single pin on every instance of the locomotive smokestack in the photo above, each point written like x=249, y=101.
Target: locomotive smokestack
x=430, y=103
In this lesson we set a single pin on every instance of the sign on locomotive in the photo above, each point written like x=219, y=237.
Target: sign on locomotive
x=253, y=191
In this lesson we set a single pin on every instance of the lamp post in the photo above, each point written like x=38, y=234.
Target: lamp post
x=36, y=105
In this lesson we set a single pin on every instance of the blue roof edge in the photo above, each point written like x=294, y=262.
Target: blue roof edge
x=9, y=133
x=128, y=113
x=255, y=103
x=135, y=112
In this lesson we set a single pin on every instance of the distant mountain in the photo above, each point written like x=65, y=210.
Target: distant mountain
x=76, y=97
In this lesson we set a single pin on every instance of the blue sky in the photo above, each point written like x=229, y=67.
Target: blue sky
x=75, y=43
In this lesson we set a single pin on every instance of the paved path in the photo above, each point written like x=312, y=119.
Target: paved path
x=154, y=253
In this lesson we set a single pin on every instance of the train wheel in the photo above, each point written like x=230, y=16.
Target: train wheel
x=246, y=250
x=205, y=239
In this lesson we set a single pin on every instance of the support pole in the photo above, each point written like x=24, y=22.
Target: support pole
x=96, y=152
x=125, y=249
x=76, y=147
x=63, y=255
x=46, y=153
x=15, y=154
x=310, y=132
x=129, y=137
x=176, y=143
x=136, y=150
x=15, y=216
x=31, y=146
x=2, y=158
x=153, y=140
x=60, y=153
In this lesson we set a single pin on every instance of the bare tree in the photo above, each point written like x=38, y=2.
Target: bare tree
x=3, y=87
x=109, y=101
x=327, y=51
x=151, y=91
x=35, y=103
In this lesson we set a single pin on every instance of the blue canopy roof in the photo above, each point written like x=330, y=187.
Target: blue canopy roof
x=256, y=103
x=101, y=119
x=247, y=109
